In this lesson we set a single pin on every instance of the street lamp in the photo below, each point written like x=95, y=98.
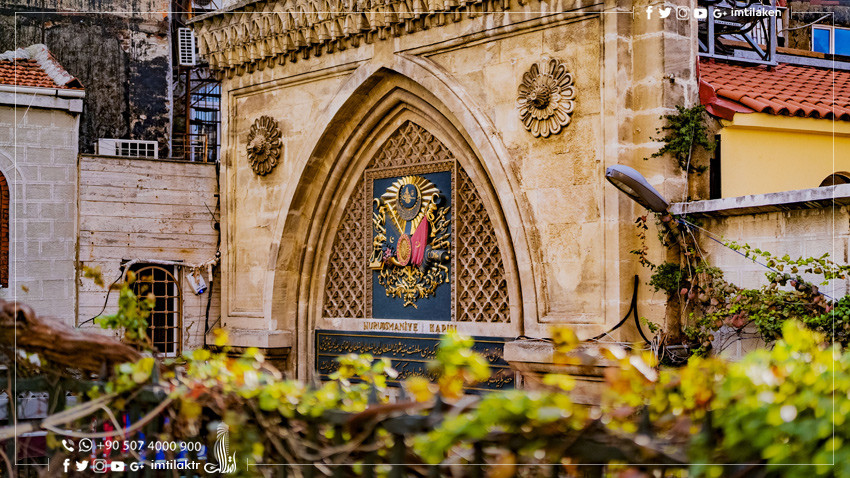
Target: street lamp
x=635, y=186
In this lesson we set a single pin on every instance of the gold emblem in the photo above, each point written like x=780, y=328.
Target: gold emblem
x=403, y=250
x=411, y=238
x=408, y=196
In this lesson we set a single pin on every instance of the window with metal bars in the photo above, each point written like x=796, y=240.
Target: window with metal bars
x=165, y=324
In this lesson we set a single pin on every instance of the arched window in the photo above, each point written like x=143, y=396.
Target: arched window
x=5, y=199
x=836, y=178
x=165, y=327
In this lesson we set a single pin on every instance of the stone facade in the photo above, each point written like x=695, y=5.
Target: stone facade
x=38, y=157
x=335, y=81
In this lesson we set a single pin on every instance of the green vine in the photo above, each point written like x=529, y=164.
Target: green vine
x=711, y=303
x=642, y=251
x=668, y=277
x=683, y=131
x=133, y=311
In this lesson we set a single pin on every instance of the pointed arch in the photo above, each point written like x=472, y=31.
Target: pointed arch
x=366, y=110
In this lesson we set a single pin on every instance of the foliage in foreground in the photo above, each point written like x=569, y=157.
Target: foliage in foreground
x=767, y=415
x=773, y=409
x=780, y=409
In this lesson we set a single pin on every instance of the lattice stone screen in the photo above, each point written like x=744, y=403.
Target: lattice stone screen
x=480, y=286
x=482, y=290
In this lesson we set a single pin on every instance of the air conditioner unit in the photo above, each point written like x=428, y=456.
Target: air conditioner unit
x=187, y=54
x=131, y=148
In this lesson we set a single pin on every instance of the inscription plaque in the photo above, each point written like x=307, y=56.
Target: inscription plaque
x=409, y=354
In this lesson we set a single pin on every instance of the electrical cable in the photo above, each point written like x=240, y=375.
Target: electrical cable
x=806, y=25
x=632, y=311
x=711, y=236
x=106, y=301
x=216, y=224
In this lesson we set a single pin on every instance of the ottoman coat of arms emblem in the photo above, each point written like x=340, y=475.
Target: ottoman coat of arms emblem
x=411, y=239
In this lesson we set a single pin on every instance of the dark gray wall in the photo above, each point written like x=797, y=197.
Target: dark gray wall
x=121, y=55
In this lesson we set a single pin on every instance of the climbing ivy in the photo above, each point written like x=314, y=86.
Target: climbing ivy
x=684, y=130
x=711, y=303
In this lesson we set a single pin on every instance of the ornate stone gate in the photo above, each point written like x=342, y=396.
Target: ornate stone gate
x=414, y=255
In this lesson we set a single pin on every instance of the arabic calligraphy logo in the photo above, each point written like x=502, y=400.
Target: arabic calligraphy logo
x=411, y=239
x=226, y=461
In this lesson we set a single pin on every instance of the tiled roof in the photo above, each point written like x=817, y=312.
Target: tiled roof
x=790, y=90
x=34, y=66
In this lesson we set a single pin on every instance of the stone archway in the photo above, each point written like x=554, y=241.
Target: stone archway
x=353, y=131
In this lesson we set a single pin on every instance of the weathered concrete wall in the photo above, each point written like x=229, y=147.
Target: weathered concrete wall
x=798, y=233
x=123, y=59
x=804, y=13
x=38, y=157
x=801, y=233
x=149, y=210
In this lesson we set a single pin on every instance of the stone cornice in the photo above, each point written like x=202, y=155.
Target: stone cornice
x=258, y=34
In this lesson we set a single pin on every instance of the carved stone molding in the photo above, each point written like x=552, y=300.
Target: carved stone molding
x=476, y=272
x=268, y=32
x=264, y=145
x=545, y=98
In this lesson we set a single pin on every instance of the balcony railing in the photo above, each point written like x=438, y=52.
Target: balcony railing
x=193, y=147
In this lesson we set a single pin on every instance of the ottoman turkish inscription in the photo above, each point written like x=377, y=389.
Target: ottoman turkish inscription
x=409, y=354
x=409, y=259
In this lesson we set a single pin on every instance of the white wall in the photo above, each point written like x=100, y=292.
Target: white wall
x=149, y=210
x=38, y=156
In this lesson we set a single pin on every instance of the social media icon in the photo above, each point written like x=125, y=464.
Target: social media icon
x=81, y=465
x=117, y=466
x=66, y=464
x=85, y=445
x=68, y=445
x=700, y=13
x=683, y=13
x=649, y=11
x=99, y=465
x=665, y=12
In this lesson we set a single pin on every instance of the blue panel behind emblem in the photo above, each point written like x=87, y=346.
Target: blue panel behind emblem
x=436, y=307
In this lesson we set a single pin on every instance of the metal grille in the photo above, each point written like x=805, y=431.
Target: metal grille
x=481, y=284
x=165, y=322
x=482, y=290
x=186, y=54
x=137, y=149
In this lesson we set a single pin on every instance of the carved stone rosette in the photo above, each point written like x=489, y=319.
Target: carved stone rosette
x=545, y=98
x=264, y=145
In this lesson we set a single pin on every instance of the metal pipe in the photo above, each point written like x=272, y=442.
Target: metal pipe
x=61, y=93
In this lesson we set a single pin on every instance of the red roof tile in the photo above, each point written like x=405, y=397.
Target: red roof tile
x=790, y=90
x=34, y=66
